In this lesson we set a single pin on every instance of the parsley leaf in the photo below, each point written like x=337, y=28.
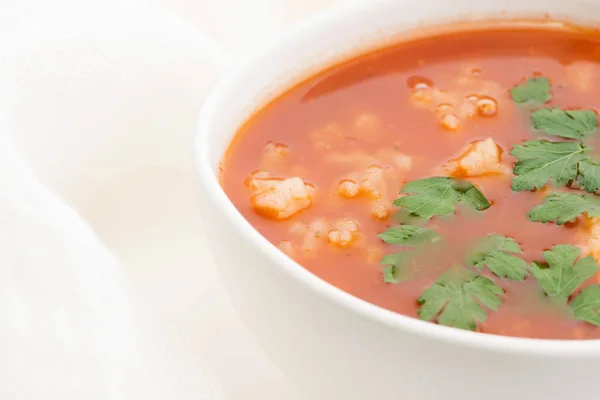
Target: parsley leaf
x=496, y=252
x=589, y=175
x=456, y=299
x=432, y=196
x=586, y=306
x=390, y=274
x=570, y=124
x=438, y=196
x=540, y=161
x=564, y=207
x=397, y=264
x=562, y=276
x=536, y=89
x=409, y=236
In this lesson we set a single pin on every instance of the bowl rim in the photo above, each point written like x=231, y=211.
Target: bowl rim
x=205, y=172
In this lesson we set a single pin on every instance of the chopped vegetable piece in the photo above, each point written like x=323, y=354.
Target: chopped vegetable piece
x=457, y=299
x=564, y=207
x=562, y=276
x=279, y=198
x=438, y=196
x=586, y=306
x=570, y=124
x=536, y=90
x=482, y=157
x=495, y=252
x=412, y=237
x=541, y=161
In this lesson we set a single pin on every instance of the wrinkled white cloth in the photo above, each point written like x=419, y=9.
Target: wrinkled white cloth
x=105, y=287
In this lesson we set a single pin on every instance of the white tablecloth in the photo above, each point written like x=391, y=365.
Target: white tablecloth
x=98, y=100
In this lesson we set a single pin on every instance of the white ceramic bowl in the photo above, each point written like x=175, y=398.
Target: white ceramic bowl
x=331, y=344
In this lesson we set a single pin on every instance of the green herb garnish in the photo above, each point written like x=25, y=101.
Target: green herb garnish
x=458, y=298
x=570, y=124
x=411, y=237
x=541, y=161
x=562, y=276
x=536, y=89
x=408, y=235
x=586, y=306
x=438, y=196
x=390, y=274
x=497, y=252
x=563, y=207
x=589, y=176
x=462, y=297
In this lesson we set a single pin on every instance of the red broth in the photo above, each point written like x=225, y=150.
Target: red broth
x=369, y=111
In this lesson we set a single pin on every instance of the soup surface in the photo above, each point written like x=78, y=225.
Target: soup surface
x=452, y=179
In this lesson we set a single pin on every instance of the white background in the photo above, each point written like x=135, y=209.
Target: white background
x=161, y=243
x=104, y=113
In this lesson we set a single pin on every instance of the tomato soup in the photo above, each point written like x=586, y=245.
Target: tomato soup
x=453, y=178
